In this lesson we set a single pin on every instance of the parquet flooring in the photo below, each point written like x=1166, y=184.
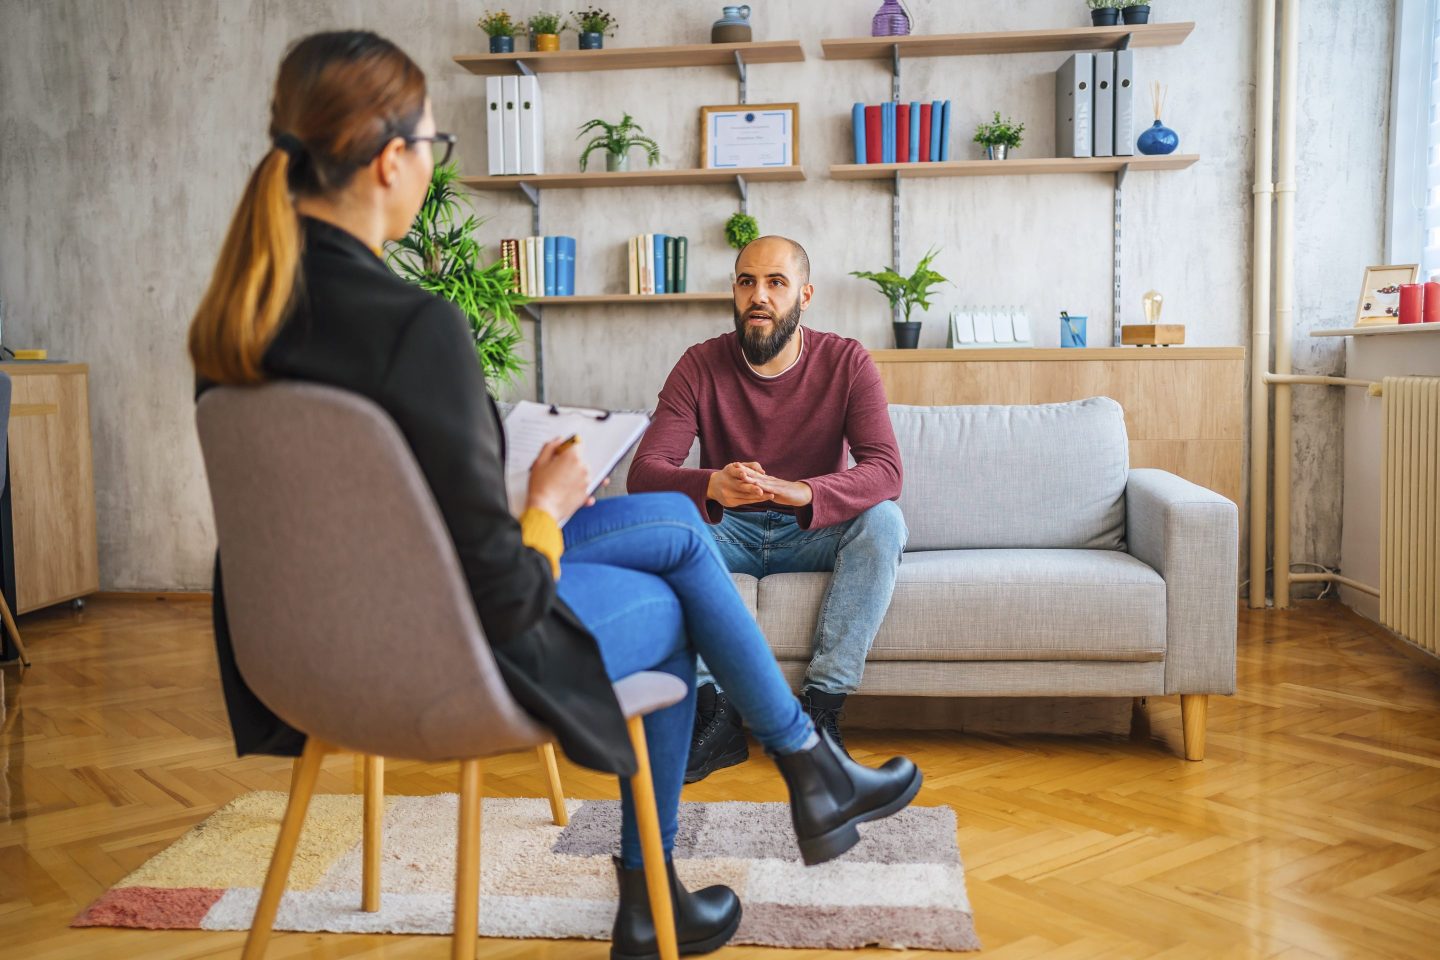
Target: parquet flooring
x=1312, y=829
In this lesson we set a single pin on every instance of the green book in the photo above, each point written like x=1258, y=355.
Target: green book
x=670, y=266
x=680, y=244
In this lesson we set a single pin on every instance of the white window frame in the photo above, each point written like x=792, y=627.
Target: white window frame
x=1411, y=84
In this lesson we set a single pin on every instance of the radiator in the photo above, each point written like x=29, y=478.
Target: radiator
x=1409, y=513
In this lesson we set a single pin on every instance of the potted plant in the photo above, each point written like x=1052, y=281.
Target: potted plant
x=594, y=25
x=440, y=254
x=1104, y=13
x=1135, y=11
x=740, y=229
x=617, y=140
x=545, y=31
x=999, y=137
x=501, y=29
x=906, y=293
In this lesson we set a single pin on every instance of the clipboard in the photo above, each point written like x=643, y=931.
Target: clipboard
x=605, y=435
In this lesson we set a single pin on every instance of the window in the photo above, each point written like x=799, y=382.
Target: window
x=1413, y=230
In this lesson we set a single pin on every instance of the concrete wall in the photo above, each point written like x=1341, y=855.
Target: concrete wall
x=128, y=128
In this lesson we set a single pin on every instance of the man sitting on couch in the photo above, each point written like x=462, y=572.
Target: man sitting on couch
x=779, y=408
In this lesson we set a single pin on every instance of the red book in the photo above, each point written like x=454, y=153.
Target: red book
x=872, y=135
x=902, y=132
x=924, y=131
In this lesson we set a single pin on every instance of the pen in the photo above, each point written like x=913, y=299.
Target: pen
x=568, y=442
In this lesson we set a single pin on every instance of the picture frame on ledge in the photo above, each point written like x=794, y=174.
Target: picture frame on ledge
x=1380, y=294
x=750, y=135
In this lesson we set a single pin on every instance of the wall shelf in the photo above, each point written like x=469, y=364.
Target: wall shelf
x=1015, y=167
x=648, y=299
x=634, y=58
x=634, y=178
x=1014, y=41
x=1379, y=330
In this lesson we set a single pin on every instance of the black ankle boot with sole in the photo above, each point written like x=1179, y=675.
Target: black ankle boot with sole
x=718, y=740
x=704, y=920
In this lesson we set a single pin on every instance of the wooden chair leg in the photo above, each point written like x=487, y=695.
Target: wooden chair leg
x=14, y=632
x=1193, y=707
x=467, y=864
x=557, y=795
x=372, y=832
x=307, y=771
x=647, y=817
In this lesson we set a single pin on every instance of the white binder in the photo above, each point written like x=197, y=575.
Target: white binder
x=1075, y=107
x=510, y=91
x=494, y=129
x=1105, y=104
x=532, y=129
x=1125, y=103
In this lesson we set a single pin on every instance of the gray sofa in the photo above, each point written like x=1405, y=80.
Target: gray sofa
x=1039, y=564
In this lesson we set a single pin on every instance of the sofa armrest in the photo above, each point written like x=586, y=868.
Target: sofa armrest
x=1190, y=536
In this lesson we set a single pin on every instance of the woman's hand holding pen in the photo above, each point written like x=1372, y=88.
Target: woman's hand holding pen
x=559, y=479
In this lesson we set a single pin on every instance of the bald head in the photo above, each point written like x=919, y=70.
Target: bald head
x=761, y=256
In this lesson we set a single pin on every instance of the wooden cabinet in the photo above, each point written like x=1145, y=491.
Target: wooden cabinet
x=49, y=526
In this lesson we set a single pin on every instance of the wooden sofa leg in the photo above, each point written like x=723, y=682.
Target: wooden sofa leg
x=1193, y=707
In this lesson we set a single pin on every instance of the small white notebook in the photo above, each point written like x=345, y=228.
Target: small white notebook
x=605, y=438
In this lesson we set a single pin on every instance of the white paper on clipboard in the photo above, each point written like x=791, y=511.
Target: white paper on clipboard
x=605, y=438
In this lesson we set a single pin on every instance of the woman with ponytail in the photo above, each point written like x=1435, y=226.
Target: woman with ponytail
x=300, y=292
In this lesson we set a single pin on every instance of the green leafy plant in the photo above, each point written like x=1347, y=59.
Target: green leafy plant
x=740, y=229
x=594, y=20
x=1000, y=132
x=440, y=254
x=498, y=24
x=906, y=292
x=542, y=23
x=1125, y=4
x=618, y=138
x=1106, y=4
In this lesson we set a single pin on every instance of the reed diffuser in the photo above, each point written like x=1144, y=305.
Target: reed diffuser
x=1159, y=139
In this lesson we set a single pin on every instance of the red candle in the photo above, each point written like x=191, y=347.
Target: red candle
x=1430, y=309
x=1410, y=296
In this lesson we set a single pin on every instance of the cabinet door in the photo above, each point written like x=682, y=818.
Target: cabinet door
x=52, y=491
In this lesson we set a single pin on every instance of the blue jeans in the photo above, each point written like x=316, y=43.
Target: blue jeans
x=864, y=555
x=643, y=575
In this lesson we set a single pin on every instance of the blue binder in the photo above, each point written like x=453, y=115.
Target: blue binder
x=549, y=266
x=857, y=120
x=914, y=131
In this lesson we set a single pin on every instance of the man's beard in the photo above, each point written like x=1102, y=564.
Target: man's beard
x=760, y=348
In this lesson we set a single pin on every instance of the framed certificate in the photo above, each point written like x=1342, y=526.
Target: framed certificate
x=750, y=135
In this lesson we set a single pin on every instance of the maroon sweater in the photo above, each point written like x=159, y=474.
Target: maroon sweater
x=800, y=425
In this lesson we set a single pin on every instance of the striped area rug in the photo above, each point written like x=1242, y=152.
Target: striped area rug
x=902, y=886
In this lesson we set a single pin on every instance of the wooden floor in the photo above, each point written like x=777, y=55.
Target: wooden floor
x=1312, y=830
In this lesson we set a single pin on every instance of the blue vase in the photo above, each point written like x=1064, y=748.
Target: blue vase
x=1158, y=140
x=502, y=44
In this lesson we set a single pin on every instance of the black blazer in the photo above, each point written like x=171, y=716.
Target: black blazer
x=359, y=327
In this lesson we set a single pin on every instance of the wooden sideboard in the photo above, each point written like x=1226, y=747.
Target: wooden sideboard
x=49, y=524
x=1184, y=406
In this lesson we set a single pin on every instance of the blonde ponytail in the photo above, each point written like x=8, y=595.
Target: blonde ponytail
x=254, y=279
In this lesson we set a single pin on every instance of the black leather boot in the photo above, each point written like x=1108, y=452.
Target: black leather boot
x=830, y=794
x=704, y=920
x=826, y=710
x=718, y=740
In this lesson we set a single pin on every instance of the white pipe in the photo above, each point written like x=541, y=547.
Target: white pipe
x=1317, y=380
x=1285, y=288
x=1335, y=578
x=1263, y=191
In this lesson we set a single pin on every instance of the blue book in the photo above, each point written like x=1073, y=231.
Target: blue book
x=887, y=150
x=914, y=131
x=937, y=116
x=857, y=121
x=565, y=266
x=659, y=263
x=550, y=275
x=944, y=132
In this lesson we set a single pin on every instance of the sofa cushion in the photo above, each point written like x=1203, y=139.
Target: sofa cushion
x=992, y=605
x=1046, y=475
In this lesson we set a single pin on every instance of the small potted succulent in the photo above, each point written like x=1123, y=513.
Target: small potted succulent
x=1135, y=11
x=999, y=137
x=1104, y=13
x=617, y=139
x=594, y=25
x=906, y=293
x=501, y=29
x=740, y=229
x=545, y=31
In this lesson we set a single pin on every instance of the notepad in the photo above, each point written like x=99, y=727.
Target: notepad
x=605, y=438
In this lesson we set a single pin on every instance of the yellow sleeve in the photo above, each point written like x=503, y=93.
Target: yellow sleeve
x=541, y=533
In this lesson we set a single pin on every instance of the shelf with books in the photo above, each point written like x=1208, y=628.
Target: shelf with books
x=634, y=178
x=626, y=299
x=1014, y=167
x=1062, y=40
x=634, y=58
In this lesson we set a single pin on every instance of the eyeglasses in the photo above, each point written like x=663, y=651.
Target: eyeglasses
x=448, y=139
